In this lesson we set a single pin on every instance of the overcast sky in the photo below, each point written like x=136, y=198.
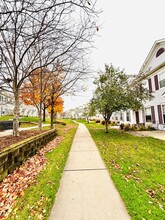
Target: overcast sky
x=129, y=29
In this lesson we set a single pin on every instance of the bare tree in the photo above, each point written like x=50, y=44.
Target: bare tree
x=37, y=30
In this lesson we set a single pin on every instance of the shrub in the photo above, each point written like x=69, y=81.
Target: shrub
x=126, y=127
x=92, y=119
x=134, y=127
x=122, y=126
x=150, y=128
x=103, y=122
x=141, y=128
x=113, y=123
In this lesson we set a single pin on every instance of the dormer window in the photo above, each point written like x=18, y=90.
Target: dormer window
x=160, y=51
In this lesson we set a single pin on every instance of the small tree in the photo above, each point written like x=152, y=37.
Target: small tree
x=114, y=93
x=58, y=107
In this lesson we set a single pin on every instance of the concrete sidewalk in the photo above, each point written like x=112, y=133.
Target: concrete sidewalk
x=10, y=131
x=155, y=134
x=86, y=191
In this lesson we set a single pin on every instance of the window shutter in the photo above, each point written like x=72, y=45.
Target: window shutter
x=160, y=114
x=153, y=114
x=150, y=85
x=156, y=82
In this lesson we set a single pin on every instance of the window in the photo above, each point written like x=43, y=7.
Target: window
x=162, y=80
x=160, y=51
x=128, y=115
x=163, y=108
x=148, y=114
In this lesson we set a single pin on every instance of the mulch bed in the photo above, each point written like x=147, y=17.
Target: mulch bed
x=8, y=140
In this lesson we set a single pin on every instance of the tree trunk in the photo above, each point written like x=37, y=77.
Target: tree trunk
x=106, y=126
x=44, y=113
x=16, y=115
x=51, y=116
x=52, y=111
x=54, y=116
x=40, y=118
x=107, y=116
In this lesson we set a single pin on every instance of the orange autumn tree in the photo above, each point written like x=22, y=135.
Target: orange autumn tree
x=58, y=106
x=42, y=91
x=35, y=91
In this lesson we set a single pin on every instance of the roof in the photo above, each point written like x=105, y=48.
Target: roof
x=156, y=43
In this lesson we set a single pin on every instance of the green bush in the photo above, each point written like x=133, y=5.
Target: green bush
x=126, y=127
x=122, y=126
x=103, y=122
x=150, y=128
x=113, y=123
x=141, y=128
x=133, y=127
x=92, y=119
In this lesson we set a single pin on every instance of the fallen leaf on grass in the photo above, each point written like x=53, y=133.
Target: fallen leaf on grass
x=151, y=193
x=116, y=165
x=14, y=185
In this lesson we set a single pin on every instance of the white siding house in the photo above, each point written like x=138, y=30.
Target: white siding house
x=152, y=75
x=7, y=106
x=153, y=70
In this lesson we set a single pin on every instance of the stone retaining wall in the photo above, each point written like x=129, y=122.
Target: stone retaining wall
x=16, y=154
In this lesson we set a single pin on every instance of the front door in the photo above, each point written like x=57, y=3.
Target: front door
x=137, y=117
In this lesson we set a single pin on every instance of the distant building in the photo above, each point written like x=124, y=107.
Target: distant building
x=7, y=106
x=76, y=112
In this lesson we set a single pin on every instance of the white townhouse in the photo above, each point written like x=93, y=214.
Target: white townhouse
x=7, y=106
x=152, y=74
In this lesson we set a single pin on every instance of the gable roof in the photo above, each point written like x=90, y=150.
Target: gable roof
x=156, y=43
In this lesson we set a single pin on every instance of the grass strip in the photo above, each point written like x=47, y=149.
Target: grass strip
x=136, y=165
x=36, y=202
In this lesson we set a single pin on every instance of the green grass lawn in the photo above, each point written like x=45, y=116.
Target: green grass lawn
x=24, y=119
x=33, y=119
x=6, y=117
x=27, y=121
x=39, y=198
x=137, y=167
